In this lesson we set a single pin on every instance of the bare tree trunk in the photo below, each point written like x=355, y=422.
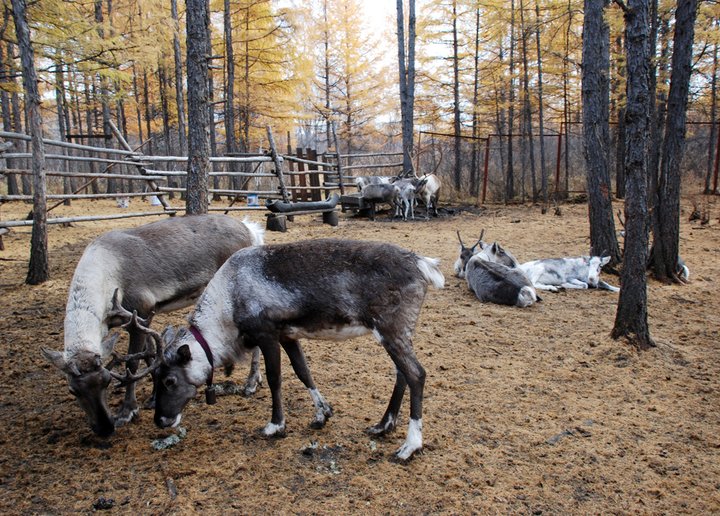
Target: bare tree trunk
x=666, y=239
x=148, y=116
x=138, y=113
x=509, y=176
x=39, y=268
x=456, y=101
x=326, y=85
x=596, y=129
x=89, y=121
x=164, y=108
x=12, y=184
x=620, y=146
x=713, y=119
x=198, y=53
x=179, y=97
x=230, y=145
x=211, y=113
x=631, y=319
x=527, y=107
x=407, y=81
x=541, y=114
x=474, y=176
x=17, y=122
x=62, y=129
x=566, y=101
x=104, y=91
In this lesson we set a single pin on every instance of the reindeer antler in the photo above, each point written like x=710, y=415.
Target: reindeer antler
x=480, y=238
x=123, y=314
x=156, y=354
x=459, y=238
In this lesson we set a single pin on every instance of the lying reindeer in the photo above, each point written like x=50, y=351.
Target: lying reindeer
x=272, y=296
x=577, y=273
x=157, y=267
x=491, y=279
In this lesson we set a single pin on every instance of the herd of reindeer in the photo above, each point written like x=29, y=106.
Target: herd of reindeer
x=252, y=298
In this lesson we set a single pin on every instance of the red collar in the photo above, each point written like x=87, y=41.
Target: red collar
x=210, y=389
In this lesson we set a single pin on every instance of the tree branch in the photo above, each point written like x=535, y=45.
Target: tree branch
x=624, y=7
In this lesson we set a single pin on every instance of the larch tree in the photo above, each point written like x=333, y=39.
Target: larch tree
x=631, y=318
x=198, y=54
x=666, y=230
x=406, y=71
x=596, y=129
x=179, y=94
x=39, y=268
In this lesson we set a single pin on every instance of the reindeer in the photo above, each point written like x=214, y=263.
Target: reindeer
x=578, y=272
x=427, y=189
x=158, y=267
x=491, y=273
x=362, y=181
x=406, y=199
x=380, y=193
x=271, y=296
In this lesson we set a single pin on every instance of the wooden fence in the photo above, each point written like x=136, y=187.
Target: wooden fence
x=249, y=179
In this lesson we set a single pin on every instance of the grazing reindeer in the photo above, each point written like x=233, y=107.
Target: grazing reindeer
x=271, y=296
x=362, y=181
x=383, y=192
x=406, y=199
x=157, y=267
x=492, y=276
x=427, y=189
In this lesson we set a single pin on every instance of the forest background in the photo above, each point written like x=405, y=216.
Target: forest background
x=482, y=68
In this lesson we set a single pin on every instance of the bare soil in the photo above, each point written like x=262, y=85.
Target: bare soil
x=530, y=410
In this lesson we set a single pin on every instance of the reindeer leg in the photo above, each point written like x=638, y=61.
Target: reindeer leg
x=254, y=379
x=271, y=353
x=410, y=372
x=389, y=419
x=575, y=284
x=129, y=409
x=323, y=410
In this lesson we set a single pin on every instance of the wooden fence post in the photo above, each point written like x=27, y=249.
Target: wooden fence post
x=278, y=165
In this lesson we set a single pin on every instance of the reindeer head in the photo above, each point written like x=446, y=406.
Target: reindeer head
x=466, y=253
x=497, y=253
x=88, y=378
x=88, y=381
x=175, y=380
x=595, y=265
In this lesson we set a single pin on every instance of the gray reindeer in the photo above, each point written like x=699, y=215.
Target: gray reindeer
x=272, y=296
x=158, y=267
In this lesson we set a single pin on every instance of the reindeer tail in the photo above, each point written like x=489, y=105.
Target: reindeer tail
x=430, y=269
x=257, y=233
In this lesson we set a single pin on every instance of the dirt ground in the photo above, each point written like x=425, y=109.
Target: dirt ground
x=526, y=410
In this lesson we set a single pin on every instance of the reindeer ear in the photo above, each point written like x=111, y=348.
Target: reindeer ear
x=604, y=261
x=168, y=335
x=55, y=358
x=184, y=355
x=108, y=343
x=58, y=360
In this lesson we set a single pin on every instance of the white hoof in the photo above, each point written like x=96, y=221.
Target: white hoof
x=271, y=429
x=413, y=442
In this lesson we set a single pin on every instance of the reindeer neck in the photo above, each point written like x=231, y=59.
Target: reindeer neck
x=88, y=303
